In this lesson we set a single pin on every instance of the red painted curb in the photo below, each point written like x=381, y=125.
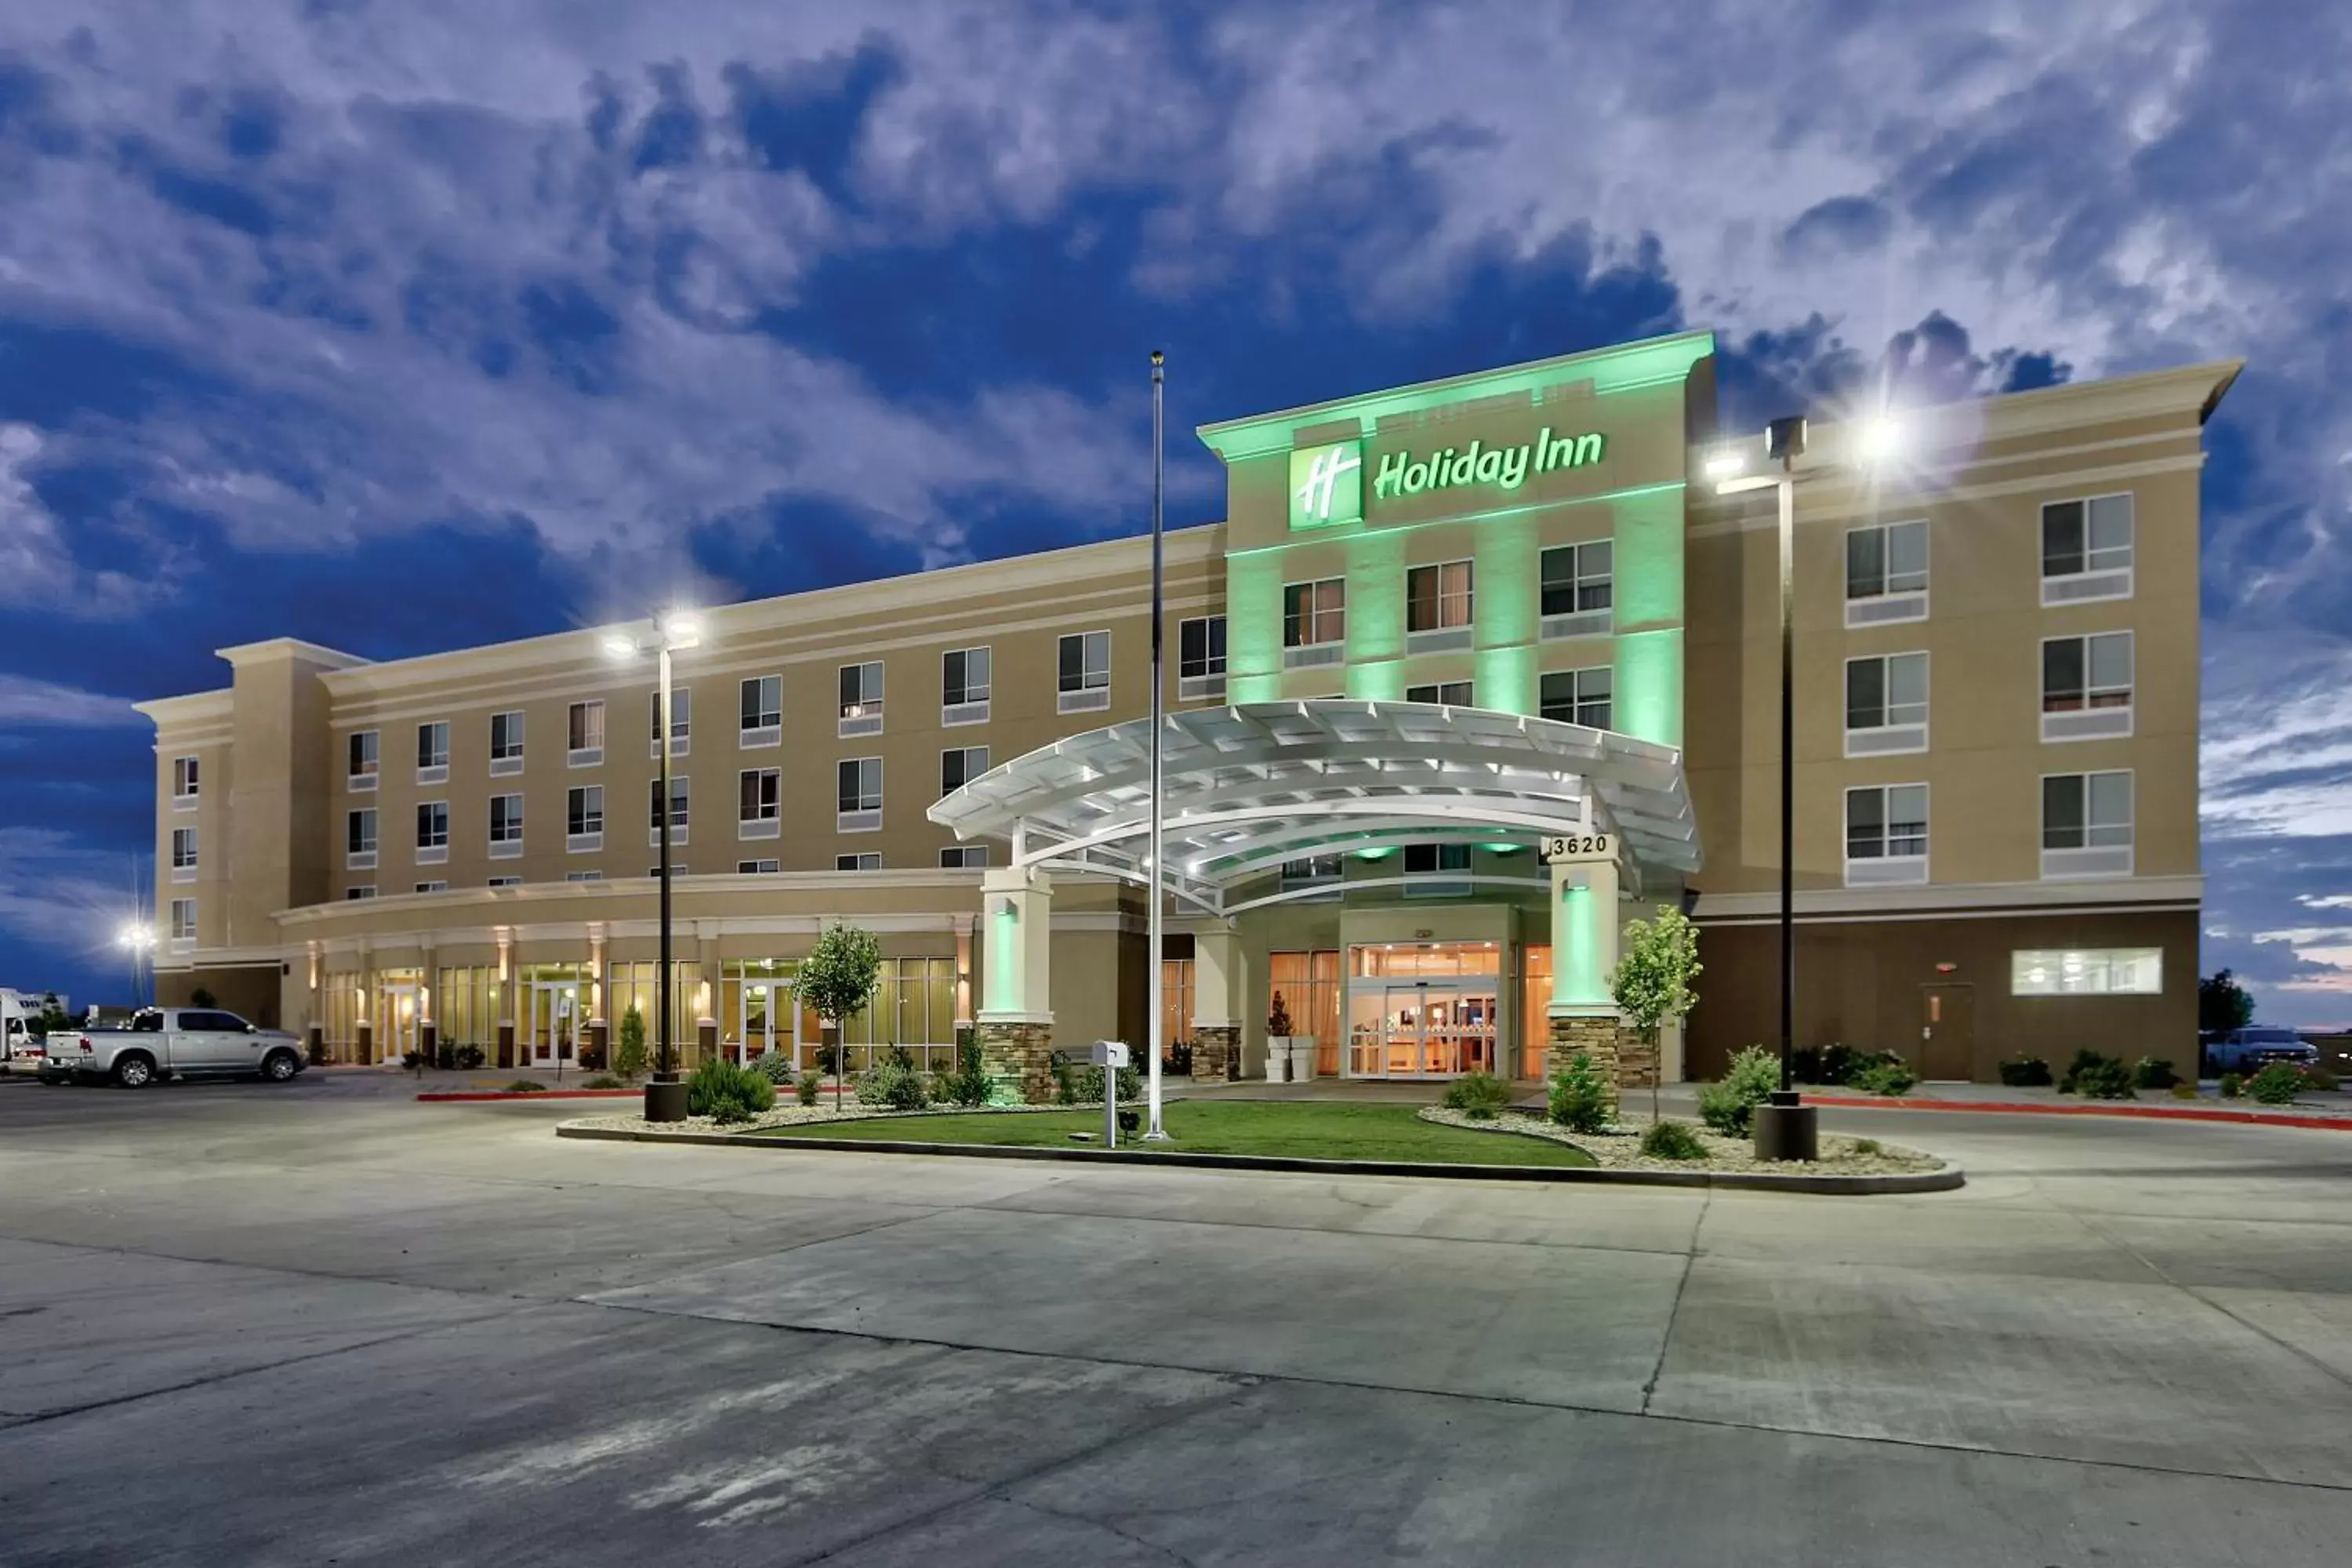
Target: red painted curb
x=469, y=1095
x=2146, y=1112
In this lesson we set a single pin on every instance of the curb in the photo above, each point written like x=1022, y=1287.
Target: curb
x=447, y=1096
x=1944, y=1179
x=2029, y=1108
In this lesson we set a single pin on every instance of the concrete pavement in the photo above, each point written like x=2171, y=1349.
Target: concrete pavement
x=255, y=1325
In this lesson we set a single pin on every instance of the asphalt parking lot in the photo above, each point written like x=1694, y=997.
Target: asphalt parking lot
x=241, y=1324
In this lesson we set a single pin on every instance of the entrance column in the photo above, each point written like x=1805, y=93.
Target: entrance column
x=1585, y=924
x=1216, y=996
x=1016, y=1012
x=429, y=1006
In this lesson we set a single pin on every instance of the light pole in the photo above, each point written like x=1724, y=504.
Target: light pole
x=1786, y=1129
x=673, y=633
x=1154, y=997
x=138, y=939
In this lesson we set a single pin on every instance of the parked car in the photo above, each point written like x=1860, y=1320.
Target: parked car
x=170, y=1042
x=2251, y=1048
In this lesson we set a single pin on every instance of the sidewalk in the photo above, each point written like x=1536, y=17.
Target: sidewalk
x=2327, y=1108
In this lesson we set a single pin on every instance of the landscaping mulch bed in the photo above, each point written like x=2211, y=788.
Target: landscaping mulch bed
x=1620, y=1148
x=797, y=1115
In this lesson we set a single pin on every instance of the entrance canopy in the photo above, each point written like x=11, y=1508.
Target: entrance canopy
x=1246, y=788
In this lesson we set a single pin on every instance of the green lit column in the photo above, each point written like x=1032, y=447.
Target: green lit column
x=1254, y=626
x=1585, y=922
x=1508, y=564
x=1376, y=615
x=1015, y=1018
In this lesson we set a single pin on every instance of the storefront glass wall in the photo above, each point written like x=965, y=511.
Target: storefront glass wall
x=466, y=1007
x=1309, y=987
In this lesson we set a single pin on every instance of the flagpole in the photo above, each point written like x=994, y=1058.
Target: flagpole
x=1155, y=1000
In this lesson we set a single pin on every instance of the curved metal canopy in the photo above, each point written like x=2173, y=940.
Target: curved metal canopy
x=1251, y=786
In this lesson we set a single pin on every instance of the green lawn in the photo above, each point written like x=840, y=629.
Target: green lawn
x=1303, y=1129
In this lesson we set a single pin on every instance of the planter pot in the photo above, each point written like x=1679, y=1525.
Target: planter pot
x=1301, y=1049
x=1279, y=1056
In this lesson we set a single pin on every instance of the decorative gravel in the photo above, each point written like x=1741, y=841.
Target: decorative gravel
x=797, y=1115
x=1620, y=1148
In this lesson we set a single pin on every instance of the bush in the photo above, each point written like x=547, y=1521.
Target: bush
x=1581, y=1099
x=828, y=1061
x=2276, y=1084
x=2097, y=1077
x=604, y=1080
x=724, y=1093
x=2153, y=1072
x=1864, y=1148
x=411, y=1060
x=776, y=1066
x=1828, y=1065
x=807, y=1090
x=2184, y=1092
x=1176, y=1061
x=526, y=1086
x=469, y=1057
x=629, y=1056
x=1477, y=1094
x=969, y=1083
x=2232, y=1085
x=892, y=1081
x=2319, y=1077
x=1747, y=1082
x=1671, y=1140
x=1081, y=1083
x=1887, y=1074
x=2025, y=1072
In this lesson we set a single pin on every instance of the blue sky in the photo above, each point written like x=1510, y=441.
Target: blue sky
x=401, y=327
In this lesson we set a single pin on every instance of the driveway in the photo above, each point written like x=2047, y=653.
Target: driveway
x=255, y=1325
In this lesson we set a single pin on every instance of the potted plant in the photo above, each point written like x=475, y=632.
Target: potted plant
x=1289, y=1057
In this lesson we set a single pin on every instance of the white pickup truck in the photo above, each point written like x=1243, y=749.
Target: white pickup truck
x=171, y=1042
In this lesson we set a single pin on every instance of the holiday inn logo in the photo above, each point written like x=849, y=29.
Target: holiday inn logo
x=1327, y=482
x=1327, y=485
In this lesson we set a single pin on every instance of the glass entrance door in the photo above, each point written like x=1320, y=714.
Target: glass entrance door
x=554, y=1022
x=1421, y=1029
x=397, y=1030
x=766, y=1007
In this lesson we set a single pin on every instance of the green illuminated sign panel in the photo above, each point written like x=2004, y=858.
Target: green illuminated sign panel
x=1327, y=485
x=1327, y=482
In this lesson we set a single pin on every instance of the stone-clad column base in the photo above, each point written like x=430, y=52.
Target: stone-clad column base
x=1620, y=1054
x=1019, y=1058
x=1216, y=1048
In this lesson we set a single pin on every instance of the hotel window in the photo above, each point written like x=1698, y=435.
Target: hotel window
x=755, y=867
x=763, y=711
x=1201, y=658
x=1314, y=622
x=432, y=886
x=861, y=699
x=583, y=875
x=185, y=787
x=184, y=923
x=583, y=823
x=359, y=839
x=959, y=767
x=2087, y=972
x=1432, y=870
x=506, y=827
x=2087, y=550
x=860, y=792
x=869, y=861
x=1886, y=572
x=1579, y=589
x=1885, y=835
x=756, y=804
x=1447, y=693
x=681, y=722
x=1437, y=606
x=433, y=753
x=362, y=890
x=963, y=856
x=362, y=746
x=1317, y=871
x=2086, y=824
x=506, y=743
x=963, y=686
x=432, y=831
x=1585, y=697
x=1085, y=672
x=183, y=854
x=2086, y=687
x=587, y=732
x=1885, y=704
x=506, y=882
x=681, y=802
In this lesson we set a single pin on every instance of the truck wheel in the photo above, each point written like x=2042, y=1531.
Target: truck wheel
x=280, y=1067
x=132, y=1071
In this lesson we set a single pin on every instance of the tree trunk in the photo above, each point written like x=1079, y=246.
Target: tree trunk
x=829, y=1042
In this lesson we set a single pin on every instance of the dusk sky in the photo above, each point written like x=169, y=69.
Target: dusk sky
x=406, y=326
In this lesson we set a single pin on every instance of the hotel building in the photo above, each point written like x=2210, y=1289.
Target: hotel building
x=1442, y=627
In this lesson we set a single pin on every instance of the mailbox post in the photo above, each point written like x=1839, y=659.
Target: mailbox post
x=1110, y=1056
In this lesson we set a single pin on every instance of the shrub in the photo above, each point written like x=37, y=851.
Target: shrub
x=724, y=1093
x=525, y=1086
x=2319, y=1077
x=892, y=1081
x=2025, y=1072
x=1582, y=1100
x=2095, y=1077
x=629, y=1056
x=2232, y=1085
x=1277, y=1017
x=807, y=1090
x=776, y=1066
x=2184, y=1092
x=969, y=1083
x=1671, y=1140
x=1864, y=1148
x=445, y=1056
x=2276, y=1084
x=1840, y=1063
x=471, y=1057
x=2153, y=1072
x=1176, y=1061
x=1747, y=1082
x=1081, y=1083
x=1477, y=1094
x=1887, y=1074
x=604, y=1080
x=411, y=1060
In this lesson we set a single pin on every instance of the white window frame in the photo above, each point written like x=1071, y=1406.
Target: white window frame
x=358, y=892
x=681, y=811
x=506, y=882
x=432, y=886
x=2093, y=721
x=1092, y=694
x=1441, y=880
x=364, y=760
x=187, y=783
x=1310, y=648
x=359, y=848
x=583, y=875
x=583, y=804
x=1446, y=634
x=508, y=847
x=1581, y=620
x=861, y=860
x=1895, y=600
x=964, y=756
x=972, y=706
x=1580, y=703
x=432, y=849
x=766, y=820
x=584, y=720
x=2084, y=963
x=964, y=858
x=432, y=766
x=1434, y=691
x=758, y=868
x=1888, y=869
x=1903, y=727
x=770, y=731
x=862, y=818
x=2096, y=580
x=1208, y=682
x=859, y=713
x=183, y=924
x=681, y=722
x=507, y=763
x=183, y=854
x=2107, y=848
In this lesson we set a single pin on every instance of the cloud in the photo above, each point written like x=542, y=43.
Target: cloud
x=26, y=701
x=58, y=895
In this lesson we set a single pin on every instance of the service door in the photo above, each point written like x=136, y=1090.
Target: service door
x=1948, y=1033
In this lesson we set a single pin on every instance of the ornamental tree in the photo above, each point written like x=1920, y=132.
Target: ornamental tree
x=2222, y=1004
x=837, y=980
x=1652, y=982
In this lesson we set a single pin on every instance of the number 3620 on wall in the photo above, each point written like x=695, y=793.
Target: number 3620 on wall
x=1573, y=847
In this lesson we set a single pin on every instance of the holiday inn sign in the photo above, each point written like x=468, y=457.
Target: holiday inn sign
x=1327, y=482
